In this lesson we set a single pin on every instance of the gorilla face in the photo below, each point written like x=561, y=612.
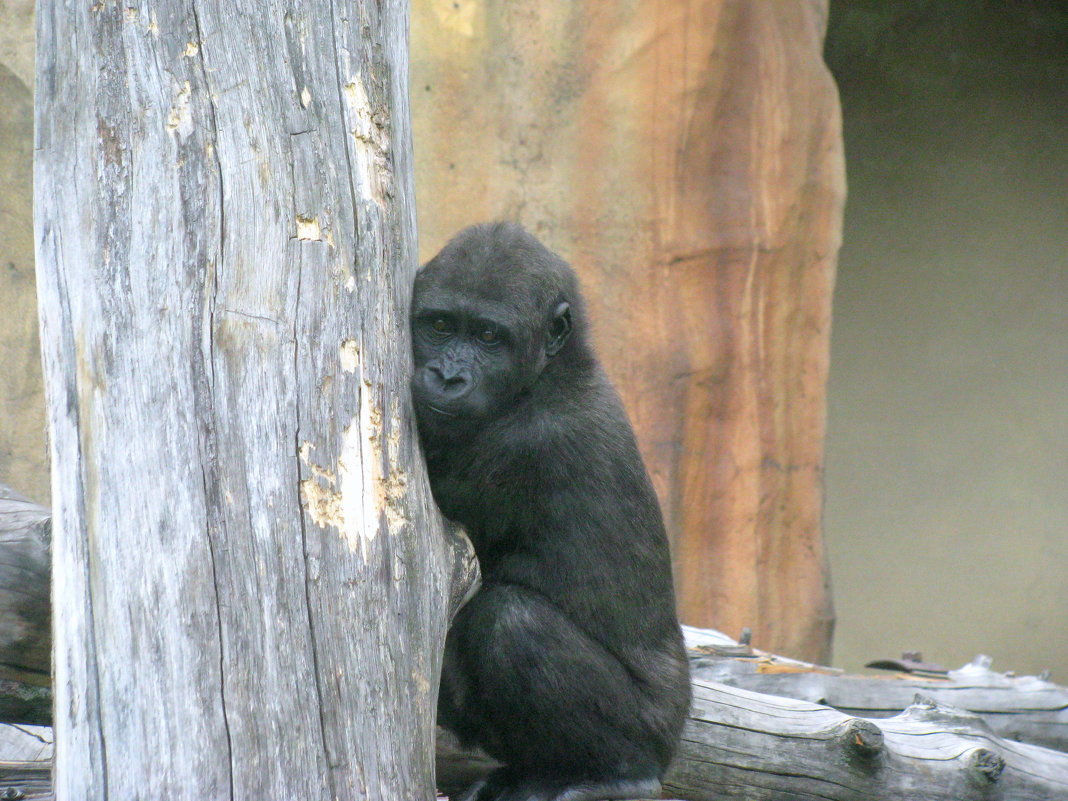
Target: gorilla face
x=482, y=333
x=467, y=367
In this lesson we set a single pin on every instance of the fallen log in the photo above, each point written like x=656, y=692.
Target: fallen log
x=749, y=746
x=25, y=763
x=738, y=744
x=25, y=610
x=1031, y=709
x=745, y=745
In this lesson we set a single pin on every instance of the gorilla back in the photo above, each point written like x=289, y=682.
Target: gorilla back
x=567, y=665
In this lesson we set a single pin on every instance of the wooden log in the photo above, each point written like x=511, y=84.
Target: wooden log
x=25, y=763
x=740, y=744
x=25, y=781
x=687, y=158
x=251, y=580
x=1029, y=709
x=25, y=590
x=25, y=607
x=25, y=611
x=743, y=745
x=1014, y=708
x=751, y=746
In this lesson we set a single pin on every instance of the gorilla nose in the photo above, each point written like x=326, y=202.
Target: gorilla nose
x=450, y=381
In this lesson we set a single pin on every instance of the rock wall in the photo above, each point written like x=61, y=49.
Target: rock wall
x=23, y=453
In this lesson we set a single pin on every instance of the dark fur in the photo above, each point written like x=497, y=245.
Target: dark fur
x=568, y=665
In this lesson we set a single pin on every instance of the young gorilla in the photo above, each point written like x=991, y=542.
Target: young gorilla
x=567, y=665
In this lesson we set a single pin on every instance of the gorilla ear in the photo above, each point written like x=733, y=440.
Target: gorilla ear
x=559, y=329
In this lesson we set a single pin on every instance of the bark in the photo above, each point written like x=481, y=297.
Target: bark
x=743, y=745
x=1030, y=709
x=251, y=581
x=687, y=158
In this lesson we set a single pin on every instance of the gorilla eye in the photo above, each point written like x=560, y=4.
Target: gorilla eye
x=440, y=324
x=487, y=335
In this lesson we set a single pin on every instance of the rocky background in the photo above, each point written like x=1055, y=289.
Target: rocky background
x=23, y=449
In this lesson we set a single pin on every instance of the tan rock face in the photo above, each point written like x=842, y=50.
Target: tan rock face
x=16, y=39
x=23, y=454
x=687, y=159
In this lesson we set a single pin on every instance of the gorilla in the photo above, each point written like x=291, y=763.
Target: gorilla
x=567, y=665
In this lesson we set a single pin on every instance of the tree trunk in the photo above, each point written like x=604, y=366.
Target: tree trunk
x=687, y=158
x=251, y=581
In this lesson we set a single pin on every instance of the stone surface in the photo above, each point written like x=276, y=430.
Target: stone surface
x=23, y=449
x=16, y=38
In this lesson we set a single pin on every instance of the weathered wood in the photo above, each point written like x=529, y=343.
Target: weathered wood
x=25, y=612
x=25, y=762
x=250, y=577
x=743, y=745
x=1031, y=709
x=25, y=781
x=25, y=591
x=740, y=744
x=752, y=747
x=24, y=744
x=687, y=158
x=1025, y=708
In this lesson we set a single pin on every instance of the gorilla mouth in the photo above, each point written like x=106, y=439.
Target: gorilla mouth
x=440, y=411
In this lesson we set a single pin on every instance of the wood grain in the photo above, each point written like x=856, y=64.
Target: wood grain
x=251, y=581
x=754, y=747
x=25, y=591
x=1029, y=709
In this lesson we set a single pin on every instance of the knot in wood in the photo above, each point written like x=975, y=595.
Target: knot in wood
x=987, y=764
x=861, y=737
x=921, y=701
